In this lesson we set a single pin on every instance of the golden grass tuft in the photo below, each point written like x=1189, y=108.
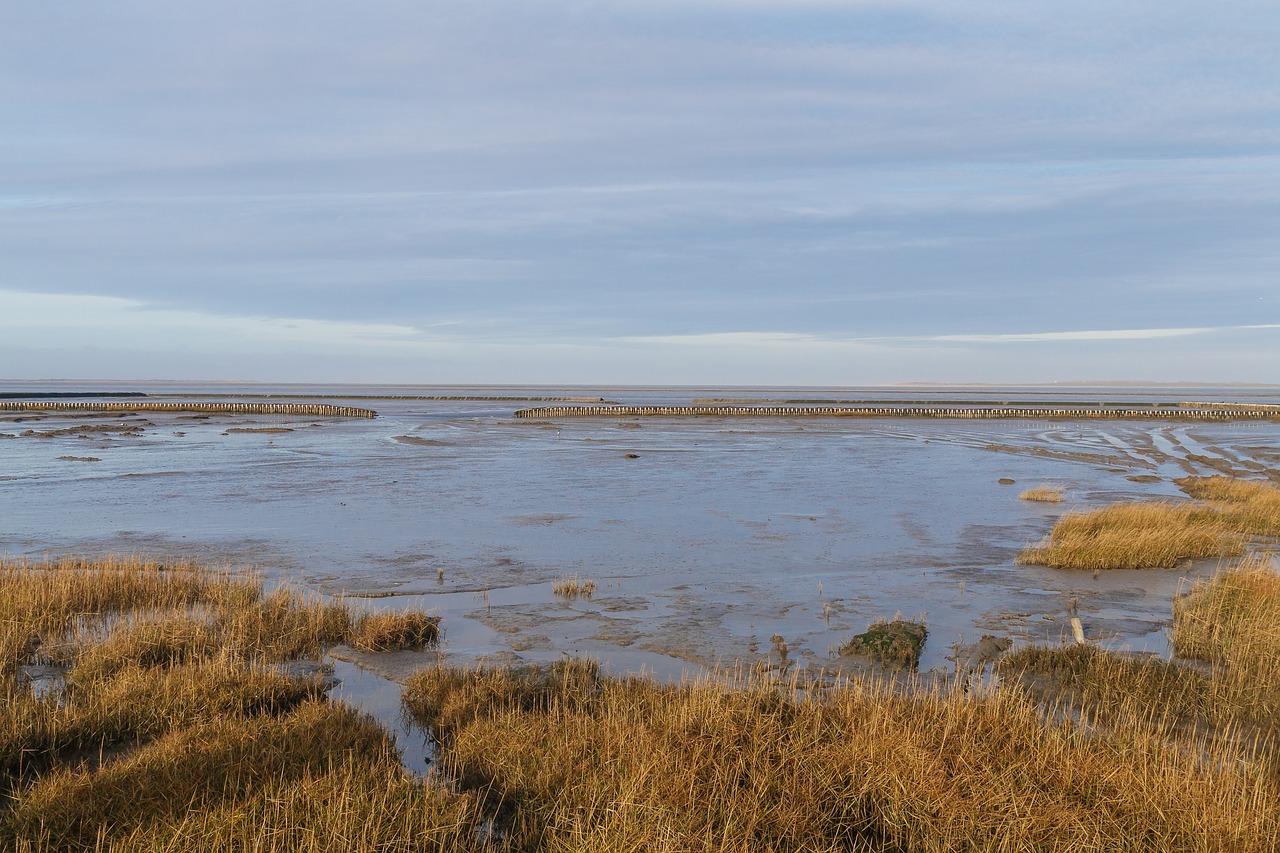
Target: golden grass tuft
x=348, y=806
x=1163, y=534
x=574, y=587
x=394, y=631
x=1158, y=534
x=1043, y=494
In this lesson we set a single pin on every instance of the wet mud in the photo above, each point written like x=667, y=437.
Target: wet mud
x=706, y=539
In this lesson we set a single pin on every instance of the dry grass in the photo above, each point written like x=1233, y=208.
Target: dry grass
x=1042, y=494
x=175, y=729
x=1158, y=534
x=1233, y=622
x=385, y=632
x=1163, y=534
x=573, y=761
x=1252, y=506
x=350, y=806
x=574, y=587
x=215, y=750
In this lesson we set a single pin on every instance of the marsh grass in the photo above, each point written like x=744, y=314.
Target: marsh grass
x=204, y=745
x=354, y=805
x=385, y=632
x=574, y=587
x=177, y=709
x=572, y=760
x=1042, y=494
x=1163, y=534
x=1233, y=622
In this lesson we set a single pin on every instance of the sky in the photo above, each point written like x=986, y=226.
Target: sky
x=734, y=192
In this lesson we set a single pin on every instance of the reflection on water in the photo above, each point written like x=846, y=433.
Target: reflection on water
x=380, y=698
x=705, y=537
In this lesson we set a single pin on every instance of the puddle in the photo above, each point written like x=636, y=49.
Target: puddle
x=380, y=698
x=44, y=682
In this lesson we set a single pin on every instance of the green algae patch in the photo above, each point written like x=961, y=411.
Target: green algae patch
x=895, y=643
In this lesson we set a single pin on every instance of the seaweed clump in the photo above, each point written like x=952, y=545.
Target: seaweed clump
x=894, y=643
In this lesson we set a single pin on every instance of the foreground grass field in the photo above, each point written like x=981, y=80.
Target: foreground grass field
x=1076, y=750
x=177, y=730
x=177, y=726
x=1163, y=534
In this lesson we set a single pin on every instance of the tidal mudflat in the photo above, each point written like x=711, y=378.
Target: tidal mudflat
x=672, y=547
x=705, y=538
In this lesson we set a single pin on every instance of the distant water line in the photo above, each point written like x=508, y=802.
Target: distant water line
x=937, y=411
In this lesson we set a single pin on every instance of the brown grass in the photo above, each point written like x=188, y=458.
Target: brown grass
x=206, y=747
x=394, y=631
x=575, y=761
x=1042, y=494
x=1158, y=534
x=1163, y=534
x=175, y=729
x=574, y=587
x=1233, y=622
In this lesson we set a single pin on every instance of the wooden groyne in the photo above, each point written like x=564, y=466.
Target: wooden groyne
x=319, y=410
x=935, y=411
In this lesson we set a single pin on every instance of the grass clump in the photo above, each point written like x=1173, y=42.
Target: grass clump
x=1042, y=494
x=385, y=632
x=574, y=587
x=894, y=643
x=1158, y=534
x=1162, y=534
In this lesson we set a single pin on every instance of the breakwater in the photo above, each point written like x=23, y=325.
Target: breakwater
x=320, y=410
x=934, y=411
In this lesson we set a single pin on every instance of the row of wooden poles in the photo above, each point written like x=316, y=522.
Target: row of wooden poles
x=940, y=411
x=321, y=410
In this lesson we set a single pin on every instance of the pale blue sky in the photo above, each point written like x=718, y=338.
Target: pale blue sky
x=703, y=191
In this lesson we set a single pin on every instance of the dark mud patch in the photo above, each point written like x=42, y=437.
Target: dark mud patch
x=1144, y=478
x=895, y=643
x=79, y=459
x=983, y=653
x=536, y=519
x=418, y=441
x=271, y=430
x=1006, y=481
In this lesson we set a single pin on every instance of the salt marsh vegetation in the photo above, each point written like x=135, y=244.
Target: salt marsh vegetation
x=1225, y=512
x=180, y=720
x=1042, y=494
x=180, y=726
x=574, y=587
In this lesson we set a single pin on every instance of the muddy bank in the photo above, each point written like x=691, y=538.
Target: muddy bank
x=310, y=409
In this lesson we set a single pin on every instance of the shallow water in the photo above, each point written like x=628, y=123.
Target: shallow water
x=705, y=537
